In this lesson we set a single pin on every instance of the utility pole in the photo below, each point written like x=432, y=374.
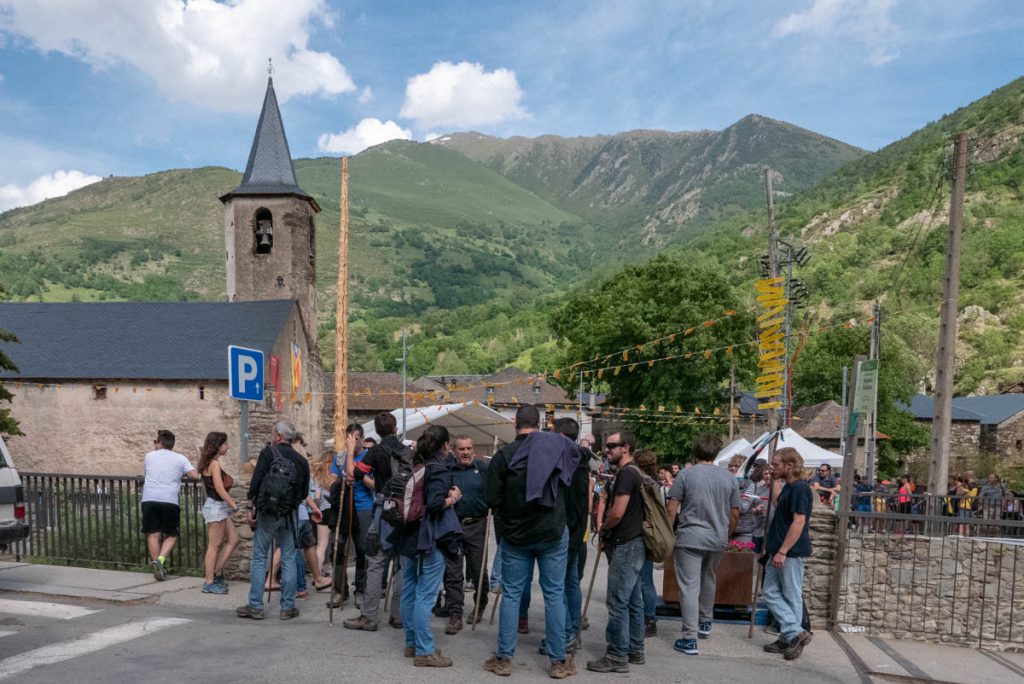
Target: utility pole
x=938, y=471
x=405, y=396
x=842, y=416
x=849, y=458
x=870, y=439
x=341, y=321
x=773, y=272
x=732, y=402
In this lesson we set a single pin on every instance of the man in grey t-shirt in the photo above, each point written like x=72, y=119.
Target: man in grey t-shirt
x=706, y=500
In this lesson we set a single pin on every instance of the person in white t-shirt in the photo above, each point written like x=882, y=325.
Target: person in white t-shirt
x=160, y=512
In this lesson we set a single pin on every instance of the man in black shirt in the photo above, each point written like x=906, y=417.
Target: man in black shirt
x=468, y=474
x=375, y=473
x=270, y=527
x=531, y=531
x=787, y=545
x=622, y=537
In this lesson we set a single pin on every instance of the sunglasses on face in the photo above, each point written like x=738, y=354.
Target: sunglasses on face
x=613, y=445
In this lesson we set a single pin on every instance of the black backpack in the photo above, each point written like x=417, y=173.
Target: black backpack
x=279, y=494
x=395, y=489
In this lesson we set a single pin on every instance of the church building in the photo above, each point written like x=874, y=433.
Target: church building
x=95, y=381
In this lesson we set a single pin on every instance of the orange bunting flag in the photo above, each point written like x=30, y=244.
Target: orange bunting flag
x=650, y=364
x=718, y=411
x=600, y=374
x=618, y=369
x=707, y=353
x=696, y=409
x=728, y=350
x=688, y=355
x=730, y=312
x=672, y=338
x=642, y=407
x=556, y=375
x=661, y=408
x=625, y=355
x=679, y=409
x=689, y=331
x=708, y=324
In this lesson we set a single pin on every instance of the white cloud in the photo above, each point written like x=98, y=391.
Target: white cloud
x=51, y=185
x=431, y=137
x=868, y=23
x=366, y=133
x=208, y=52
x=461, y=95
x=366, y=95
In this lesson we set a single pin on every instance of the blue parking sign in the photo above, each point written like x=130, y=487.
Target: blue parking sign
x=245, y=373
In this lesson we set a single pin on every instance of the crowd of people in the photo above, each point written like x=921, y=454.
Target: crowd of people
x=417, y=519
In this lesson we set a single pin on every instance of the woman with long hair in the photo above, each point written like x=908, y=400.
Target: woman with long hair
x=217, y=508
x=320, y=470
x=425, y=544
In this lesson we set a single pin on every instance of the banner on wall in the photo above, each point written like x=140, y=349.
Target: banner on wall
x=275, y=380
x=296, y=367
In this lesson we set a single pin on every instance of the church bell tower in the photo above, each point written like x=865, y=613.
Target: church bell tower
x=269, y=226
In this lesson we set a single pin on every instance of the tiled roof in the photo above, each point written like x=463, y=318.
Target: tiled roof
x=511, y=386
x=137, y=340
x=921, y=407
x=270, y=170
x=371, y=391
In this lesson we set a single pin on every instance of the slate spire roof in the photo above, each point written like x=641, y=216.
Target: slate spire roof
x=270, y=170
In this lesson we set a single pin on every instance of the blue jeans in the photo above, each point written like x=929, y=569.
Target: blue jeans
x=783, y=595
x=300, y=571
x=421, y=578
x=573, y=596
x=280, y=531
x=650, y=594
x=516, y=571
x=625, y=631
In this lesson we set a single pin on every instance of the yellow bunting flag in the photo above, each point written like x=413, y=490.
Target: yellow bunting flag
x=772, y=303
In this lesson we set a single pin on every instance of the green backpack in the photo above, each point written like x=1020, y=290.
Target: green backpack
x=659, y=540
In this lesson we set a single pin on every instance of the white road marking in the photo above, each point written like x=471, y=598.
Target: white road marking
x=55, y=653
x=59, y=611
x=3, y=634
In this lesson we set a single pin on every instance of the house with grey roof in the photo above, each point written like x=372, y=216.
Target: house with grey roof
x=991, y=424
x=95, y=381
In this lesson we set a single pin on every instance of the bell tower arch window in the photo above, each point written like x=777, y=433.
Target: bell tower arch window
x=263, y=231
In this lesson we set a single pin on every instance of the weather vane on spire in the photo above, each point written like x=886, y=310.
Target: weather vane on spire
x=270, y=66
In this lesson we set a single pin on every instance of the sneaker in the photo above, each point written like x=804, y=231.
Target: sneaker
x=362, y=623
x=560, y=669
x=778, y=646
x=570, y=662
x=395, y=622
x=159, y=571
x=524, y=626
x=499, y=666
x=214, y=588
x=454, y=625
x=304, y=594
x=650, y=627
x=687, y=646
x=251, y=613
x=221, y=580
x=606, y=664
x=637, y=658
x=703, y=630
x=432, y=660
x=796, y=647
x=289, y=613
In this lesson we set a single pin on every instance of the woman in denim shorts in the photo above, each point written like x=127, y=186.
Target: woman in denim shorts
x=220, y=530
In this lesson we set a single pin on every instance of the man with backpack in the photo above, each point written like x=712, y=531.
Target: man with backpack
x=622, y=536
x=704, y=503
x=279, y=484
x=388, y=458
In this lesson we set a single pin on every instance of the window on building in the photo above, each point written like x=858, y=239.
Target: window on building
x=312, y=242
x=263, y=231
x=99, y=391
x=202, y=393
x=1020, y=444
x=280, y=281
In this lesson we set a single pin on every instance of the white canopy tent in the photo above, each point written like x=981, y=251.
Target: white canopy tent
x=739, y=446
x=813, y=454
x=487, y=427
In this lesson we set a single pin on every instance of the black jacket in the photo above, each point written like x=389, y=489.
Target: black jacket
x=266, y=457
x=516, y=521
x=577, y=501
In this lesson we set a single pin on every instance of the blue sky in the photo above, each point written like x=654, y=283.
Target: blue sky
x=90, y=88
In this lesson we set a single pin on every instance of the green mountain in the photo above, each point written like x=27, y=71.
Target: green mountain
x=878, y=227
x=656, y=187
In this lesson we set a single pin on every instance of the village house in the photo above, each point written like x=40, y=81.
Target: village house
x=989, y=425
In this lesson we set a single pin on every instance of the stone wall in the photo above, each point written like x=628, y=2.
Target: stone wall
x=947, y=589
x=820, y=566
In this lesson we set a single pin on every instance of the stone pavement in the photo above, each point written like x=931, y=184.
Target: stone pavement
x=729, y=655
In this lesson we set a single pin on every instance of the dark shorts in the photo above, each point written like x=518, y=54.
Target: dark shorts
x=306, y=538
x=158, y=516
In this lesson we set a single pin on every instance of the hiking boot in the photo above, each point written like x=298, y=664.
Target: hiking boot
x=395, y=622
x=357, y=600
x=214, y=588
x=454, y=625
x=432, y=660
x=221, y=580
x=524, y=626
x=570, y=661
x=159, y=571
x=778, y=646
x=796, y=647
x=362, y=623
x=703, y=630
x=560, y=669
x=687, y=646
x=289, y=613
x=637, y=658
x=650, y=627
x=248, y=612
x=499, y=666
x=606, y=664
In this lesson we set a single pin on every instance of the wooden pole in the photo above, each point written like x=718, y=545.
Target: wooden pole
x=773, y=270
x=842, y=522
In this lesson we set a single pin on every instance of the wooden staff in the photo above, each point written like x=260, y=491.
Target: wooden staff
x=480, y=589
x=348, y=545
x=391, y=582
x=334, y=554
x=593, y=576
x=497, y=600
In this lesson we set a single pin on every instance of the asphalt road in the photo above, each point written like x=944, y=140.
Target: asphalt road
x=184, y=635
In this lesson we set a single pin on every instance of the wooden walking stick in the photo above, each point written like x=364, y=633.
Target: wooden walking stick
x=334, y=559
x=497, y=600
x=481, y=590
x=270, y=570
x=391, y=582
x=593, y=576
x=348, y=545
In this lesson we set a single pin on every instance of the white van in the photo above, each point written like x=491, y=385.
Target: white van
x=13, y=525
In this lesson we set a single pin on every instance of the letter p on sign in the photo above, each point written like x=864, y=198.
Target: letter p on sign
x=245, y=373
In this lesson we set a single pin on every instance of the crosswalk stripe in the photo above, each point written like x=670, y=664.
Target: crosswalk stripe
x=55, y=653
x=59, y=611
x=3, y=634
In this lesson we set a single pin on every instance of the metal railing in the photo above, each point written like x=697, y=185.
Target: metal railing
x=942, y=568
x=96, y=521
